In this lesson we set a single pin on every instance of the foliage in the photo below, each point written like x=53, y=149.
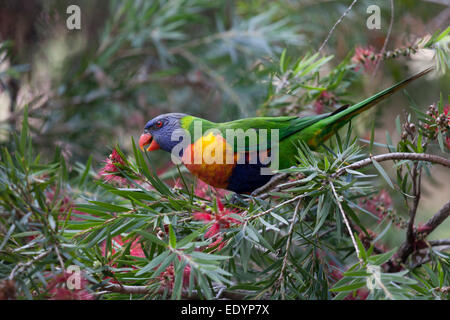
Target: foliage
x=137, y=230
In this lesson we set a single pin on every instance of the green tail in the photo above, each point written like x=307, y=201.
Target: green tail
x=320, y=131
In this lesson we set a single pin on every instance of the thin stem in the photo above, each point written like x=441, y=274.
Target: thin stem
x=391, y=23
x=394, y=156
x=346, y=222
x=336, y=24
x=288, y=248
x=276, y=207
x=112, y=287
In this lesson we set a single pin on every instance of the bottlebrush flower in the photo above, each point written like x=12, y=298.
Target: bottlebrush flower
x=379, y=204
x=447, y=119
x=365, y=57
x=220, y=220
x=325, y=99
x=111, y=171
x=58, y=290
x=118, y=243
x=167, y=277
x=440, y=121
x=203, y=190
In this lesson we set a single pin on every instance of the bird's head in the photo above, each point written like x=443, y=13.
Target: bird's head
x=158, y=132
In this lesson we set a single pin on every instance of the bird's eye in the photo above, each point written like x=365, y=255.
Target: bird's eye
x=158, y=124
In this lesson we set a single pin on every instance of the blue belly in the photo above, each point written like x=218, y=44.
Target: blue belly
x=245, y=178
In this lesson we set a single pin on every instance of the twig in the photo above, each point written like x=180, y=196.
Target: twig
x=416, y=181
x=336, y=24
x=388, y=35
x=288, y=248
x=346, y=221
x=276, y=179
x=280, y=187
x=186, y=294
x=61, y=262
x=436, y=220
x=276, y=207
x=394, y=156
x=28, y=264
x=442, y=2
x=441, y=242
x=407, y=247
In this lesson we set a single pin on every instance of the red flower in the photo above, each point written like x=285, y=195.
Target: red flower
x=202, y=190
x=111, y=171
x=118, y=243
x=325, y=99
x=378, y=204
x=441, y=121
x=58, y=289
x=365, y=57
x=167, y=277
x=220, y=220
x=447, y=114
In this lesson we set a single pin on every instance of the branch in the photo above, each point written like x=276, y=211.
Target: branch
x=435, y=220
x=299, y=197
x=442, y=2
x=437, y=243
x=416, y=181
x=336, y=24
x=276, y=179
x=358, y=254
x=23, y=266
x=407, y=247
x=186, y=294
x=394, y=156
x=391, y=23
x=288, y=248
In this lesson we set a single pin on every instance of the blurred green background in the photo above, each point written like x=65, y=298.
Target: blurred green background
x=90, y=89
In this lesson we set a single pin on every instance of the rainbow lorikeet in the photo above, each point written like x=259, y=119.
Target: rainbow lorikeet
x=239, y=169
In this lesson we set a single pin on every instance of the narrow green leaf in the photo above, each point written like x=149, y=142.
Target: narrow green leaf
x=153, y=263
x=383, y=173
x=172, y=237
x=152, y=238
x=372, y=136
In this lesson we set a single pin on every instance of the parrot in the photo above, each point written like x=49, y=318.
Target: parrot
x=242, y=170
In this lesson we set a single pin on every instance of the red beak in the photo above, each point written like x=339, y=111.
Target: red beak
x=147, y=139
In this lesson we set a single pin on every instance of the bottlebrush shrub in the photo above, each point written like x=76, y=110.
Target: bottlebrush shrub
x=135, y=234
x=324, y=234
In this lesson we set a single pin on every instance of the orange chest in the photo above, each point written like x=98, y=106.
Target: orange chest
x=211, y=159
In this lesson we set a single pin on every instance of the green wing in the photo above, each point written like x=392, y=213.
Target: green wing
x=311, y=129
x=243, y=129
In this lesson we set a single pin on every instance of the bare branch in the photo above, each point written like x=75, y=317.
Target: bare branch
x=336, y=24
x=288, y=248
x=346, y=222
x=394, y=156
x=391, y=23
x=117, y=288
x=441, y=242
x=407, y=248
x=435, y=220
x=442, y=2
x=299, y=197
x=416, y=180
x=23, y=266
x=276, y=179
